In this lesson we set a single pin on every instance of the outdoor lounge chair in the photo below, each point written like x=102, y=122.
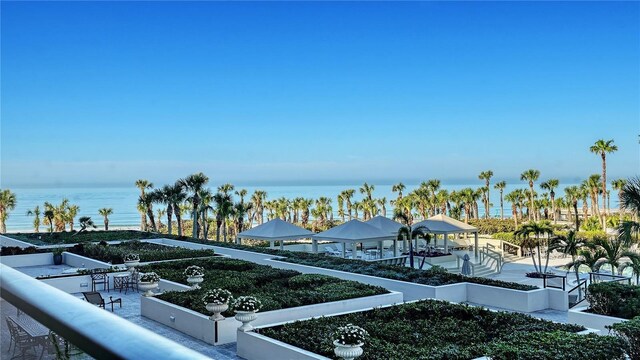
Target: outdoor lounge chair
x=332, y=251
x=95, y=298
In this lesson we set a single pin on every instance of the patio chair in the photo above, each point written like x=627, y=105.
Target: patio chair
x=95, y=298
x=340, y=246
x=19, y=339
x=99, y=277
x=332, y=251
x=132, y=282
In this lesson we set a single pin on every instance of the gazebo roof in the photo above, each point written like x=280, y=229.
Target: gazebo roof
x=385, y=224
x=440, y=224
x=276, y=229
x=354, y=231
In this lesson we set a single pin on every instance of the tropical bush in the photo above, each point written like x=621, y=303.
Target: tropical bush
x=614, y=299
x=276, y=288
x=72, y=237
x=492, y=226
x=432, y=329
x=116, y=254
x=507, y=236
x=629, y=332
x=16, y=250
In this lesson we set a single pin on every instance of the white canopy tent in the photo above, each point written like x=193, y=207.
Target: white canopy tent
x=385, y=224
x=276, y=229
x=442, y=224
x=353, y=232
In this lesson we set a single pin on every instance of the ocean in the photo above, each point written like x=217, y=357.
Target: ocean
x=123, y=200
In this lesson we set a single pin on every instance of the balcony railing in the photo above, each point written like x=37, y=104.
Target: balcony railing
x=98, y=333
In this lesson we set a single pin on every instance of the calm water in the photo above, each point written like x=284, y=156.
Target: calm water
x=123, y=200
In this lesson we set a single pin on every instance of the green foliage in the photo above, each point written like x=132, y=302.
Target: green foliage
x=72, y=237
x=16, y=250
x=148, y=252
x=614, y=299
x=427, y=329
x=507, y=236
x=629, y=332
x=591, y=224
x=492, y=226
x=275, y=288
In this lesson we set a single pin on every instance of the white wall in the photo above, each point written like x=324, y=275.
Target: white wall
x=27, y=260
x=200, y=327
x=593, y=321
x=7, y=241
x=258, y=347
x=78, y=261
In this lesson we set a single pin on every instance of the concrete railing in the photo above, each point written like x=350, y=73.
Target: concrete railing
x=99, y=333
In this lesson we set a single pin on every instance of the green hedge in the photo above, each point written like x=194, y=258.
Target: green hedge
x=629, y=331
x=275, y=288
x=614, y=299
x=114, y=254
x=69, y=237
x=492, y=226
x=433, y=329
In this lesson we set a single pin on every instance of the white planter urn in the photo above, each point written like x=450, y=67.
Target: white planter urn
x=131, y=265
x=245, y=317
x=347, y=352
x=147, y=287
x=195, y=281
x=216, y=310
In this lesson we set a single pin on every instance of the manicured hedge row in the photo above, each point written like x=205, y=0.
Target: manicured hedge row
x=629, y=331
x=15, y=250
x=69, y=237
x=614, y=299
x=147, y=252
x=433, y=329
x=275, y=288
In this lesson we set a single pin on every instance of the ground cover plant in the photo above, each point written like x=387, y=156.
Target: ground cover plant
x=614, y=299
x=432, y=329
x=72, y=237
x=147, y=252
x=275, y=288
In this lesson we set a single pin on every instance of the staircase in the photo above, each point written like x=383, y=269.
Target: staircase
x=511, y=258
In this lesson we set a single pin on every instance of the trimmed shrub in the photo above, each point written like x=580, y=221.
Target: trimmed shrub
x=614, y=299
x=148, y=252
x=70, y=237
x=492, y=226
x=629, y=332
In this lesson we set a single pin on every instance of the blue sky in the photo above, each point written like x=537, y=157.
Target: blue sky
x=316, y=92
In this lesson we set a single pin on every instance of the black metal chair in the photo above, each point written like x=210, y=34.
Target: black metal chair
x=99, y=277
x=95, y=298
x=132, y=282
x=19, y=339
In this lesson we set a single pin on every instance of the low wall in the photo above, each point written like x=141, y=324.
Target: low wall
x=79, y=261
x=7, y=241
x=27, y=260
x=440, y=259
x=259, y=347
x=579, y=316
x=200, y=327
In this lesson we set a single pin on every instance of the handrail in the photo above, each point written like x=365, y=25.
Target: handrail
x=544, y=281
x=485, y=253
x=616, y=278
x=581, y=284
x=97, y=332
x=518, y=247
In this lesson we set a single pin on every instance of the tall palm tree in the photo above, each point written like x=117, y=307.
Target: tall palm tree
x=48, y=217
x=603, y=148
x=632, y=263
x=399, y=188
x=105, y=212
x=143, y=185
x=340, y=201
x=486, y=176
x=382, y=202
x=540, y=230
x=531, y=176
x=206, y=199
x=36, y=220
x=194, y=183
x=347, y=195
x=367, y=191
x=257, y=199
x=224, y=207
x=551, y=185
x=242, y=193
x=467, y=195
x=572, y=194
x=146, y=202
x=239, y=212
x=618, y=184
x=501, y=185
x=72, y=212
x=226, y=188
x=571, y=245
x=305, y=204
x=630, y=196
x=432, y=186
x=592, y=186
x=8, y=203
x=613, y=251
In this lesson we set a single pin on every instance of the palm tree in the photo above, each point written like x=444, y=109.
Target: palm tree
x=512, y=197
x=194, y=183
x=8, y=203
x=603, y=148
x=571, y=245
x=305, y=204
x=226, y=188
x=242, y=193
x=72, y=212
x=572, y=194
x=382, y=202
x=146, y=202
x=551, y=185
x=539, y=230
x=530, y=175
x=48, y=217
x=612, y=251
x=105, y=212
x=143, y=185
x=206, y=198
x=592, y=186
x=501, y=185
x=347, y=195
x=160, y=213
x=630, y=196
x=257, y=199
x=632, y=263
x=618, y=184
x=340, y=201
x=367, y=191
x=239, y=211
x=36, y=220
x=85, y=222
x=467, y=195
x=399, y=188
x=486, y=176
x=224, y=208
x=432, y=186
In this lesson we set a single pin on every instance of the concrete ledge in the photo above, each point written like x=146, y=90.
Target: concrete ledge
x=27, y=260
x=254, y=346
x=200, y=327
x=7, y=241
x=579, y=316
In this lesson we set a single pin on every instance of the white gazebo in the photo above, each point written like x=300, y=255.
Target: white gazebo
x=444, y=225
x=276, y=229
x=353, y=232
x=385, y=224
